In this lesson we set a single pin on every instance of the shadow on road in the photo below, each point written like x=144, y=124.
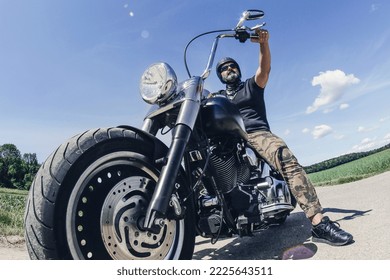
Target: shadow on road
x=288, y=241
x=353, y=213
x=292, y=240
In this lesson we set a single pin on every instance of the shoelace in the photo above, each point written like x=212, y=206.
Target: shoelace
x=335, y=226
x=333, y=222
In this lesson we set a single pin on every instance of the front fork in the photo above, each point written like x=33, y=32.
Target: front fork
x=156, y=212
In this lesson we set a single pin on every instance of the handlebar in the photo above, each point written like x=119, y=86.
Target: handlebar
x=240, y=33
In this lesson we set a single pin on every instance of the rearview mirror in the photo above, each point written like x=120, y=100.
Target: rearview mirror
x=253, y=14
x=249, y=15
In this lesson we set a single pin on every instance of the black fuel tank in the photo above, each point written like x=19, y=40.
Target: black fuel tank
x=222, y=117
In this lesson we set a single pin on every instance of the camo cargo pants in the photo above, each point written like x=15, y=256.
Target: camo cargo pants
x=275, y=151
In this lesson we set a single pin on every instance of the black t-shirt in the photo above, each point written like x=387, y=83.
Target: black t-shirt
x=250, y=101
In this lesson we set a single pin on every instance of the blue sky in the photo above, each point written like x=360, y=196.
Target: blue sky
x=68, y=66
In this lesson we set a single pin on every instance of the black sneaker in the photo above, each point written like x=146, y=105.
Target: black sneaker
x=329, y=232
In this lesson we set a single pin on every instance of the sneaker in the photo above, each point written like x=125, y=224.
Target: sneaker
x=329, y=232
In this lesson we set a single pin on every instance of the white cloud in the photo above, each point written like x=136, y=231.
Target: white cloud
x=305, y=130
x=385, y=119
x=368, y=144
x=321, y=131
x=374, y=8
x=366, y=129
x=328, y=110
x=287, y=132
x=368, y=140
x=343, y=106
x=365, y=145
x=333, y=85
x=339, y=137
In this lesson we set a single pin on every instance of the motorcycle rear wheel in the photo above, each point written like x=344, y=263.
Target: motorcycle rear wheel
x=88, y=201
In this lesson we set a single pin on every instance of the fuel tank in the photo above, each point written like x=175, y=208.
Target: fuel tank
x=222, y=117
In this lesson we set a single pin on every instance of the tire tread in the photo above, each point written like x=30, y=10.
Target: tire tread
x=42, y=200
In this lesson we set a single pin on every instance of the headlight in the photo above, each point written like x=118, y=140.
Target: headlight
x=158, y=83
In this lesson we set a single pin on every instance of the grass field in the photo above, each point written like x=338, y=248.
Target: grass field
x=354, y=170
x=12, y=202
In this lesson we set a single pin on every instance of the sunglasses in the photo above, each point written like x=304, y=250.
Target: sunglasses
x=227, y=66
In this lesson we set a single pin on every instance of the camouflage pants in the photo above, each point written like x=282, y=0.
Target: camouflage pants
x=275, y=151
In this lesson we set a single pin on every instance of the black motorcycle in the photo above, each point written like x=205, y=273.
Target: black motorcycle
x=121, y=193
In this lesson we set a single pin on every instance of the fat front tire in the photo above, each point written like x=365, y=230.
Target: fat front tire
x=89, y=199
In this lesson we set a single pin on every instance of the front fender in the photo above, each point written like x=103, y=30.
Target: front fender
x=160, y=149
x=160, y=152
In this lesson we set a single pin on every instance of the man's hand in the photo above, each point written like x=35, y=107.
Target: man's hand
x=263, y=36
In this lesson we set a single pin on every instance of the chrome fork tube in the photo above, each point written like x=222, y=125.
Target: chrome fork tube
x=183, y=128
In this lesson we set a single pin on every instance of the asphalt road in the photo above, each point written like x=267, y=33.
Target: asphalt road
x=361, y=208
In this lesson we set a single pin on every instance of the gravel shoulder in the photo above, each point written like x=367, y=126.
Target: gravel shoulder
x=13, y=248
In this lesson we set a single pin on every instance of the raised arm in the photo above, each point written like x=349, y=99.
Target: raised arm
x=264, y=68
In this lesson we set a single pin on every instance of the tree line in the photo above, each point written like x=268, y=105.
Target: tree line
x=17, y=171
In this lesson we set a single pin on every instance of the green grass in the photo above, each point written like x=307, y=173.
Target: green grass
x=12, y=205
x=354, y=170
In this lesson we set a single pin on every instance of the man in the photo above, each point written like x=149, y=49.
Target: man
x=249, y=97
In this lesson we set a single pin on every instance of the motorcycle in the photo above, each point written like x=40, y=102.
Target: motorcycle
x=121, y=193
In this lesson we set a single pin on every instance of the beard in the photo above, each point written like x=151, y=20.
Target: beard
x=231, y=78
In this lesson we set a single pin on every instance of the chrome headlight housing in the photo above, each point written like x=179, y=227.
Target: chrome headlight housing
x=158, y=83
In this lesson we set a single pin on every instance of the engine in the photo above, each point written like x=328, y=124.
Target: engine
x=230, y=171
x=253, y=200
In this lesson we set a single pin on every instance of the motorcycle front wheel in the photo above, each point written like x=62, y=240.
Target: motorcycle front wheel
x=89, y=200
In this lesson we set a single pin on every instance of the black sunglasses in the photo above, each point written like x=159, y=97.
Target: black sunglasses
x=227, y=66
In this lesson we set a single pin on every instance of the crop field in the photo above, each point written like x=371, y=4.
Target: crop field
x=354, y=170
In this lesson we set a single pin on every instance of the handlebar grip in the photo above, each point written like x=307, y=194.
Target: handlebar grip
x=242, y=35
